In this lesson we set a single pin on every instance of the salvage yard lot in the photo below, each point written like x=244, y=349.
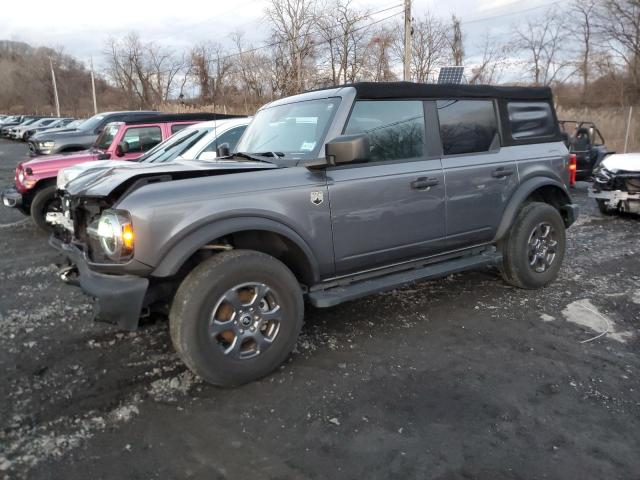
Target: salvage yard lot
x=463, y=377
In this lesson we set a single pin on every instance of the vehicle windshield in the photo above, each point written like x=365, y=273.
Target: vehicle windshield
x=105, y=139
x=28, y=122
x=175, y=146
x=294, y=129
x=92, y=123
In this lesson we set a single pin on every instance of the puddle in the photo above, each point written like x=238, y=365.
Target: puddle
x=585, y=314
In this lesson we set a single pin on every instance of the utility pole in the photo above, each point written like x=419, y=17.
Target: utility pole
x=55, y=88
x=407, y=41
x=93, y=89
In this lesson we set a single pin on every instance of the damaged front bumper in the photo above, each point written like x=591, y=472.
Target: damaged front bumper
x=118, y=299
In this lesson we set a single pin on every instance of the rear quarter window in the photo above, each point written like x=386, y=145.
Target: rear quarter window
x=531, y=120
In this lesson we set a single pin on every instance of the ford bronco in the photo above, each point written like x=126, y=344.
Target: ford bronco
x=330, y=195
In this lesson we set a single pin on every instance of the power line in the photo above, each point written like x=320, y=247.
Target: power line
x=491, y=17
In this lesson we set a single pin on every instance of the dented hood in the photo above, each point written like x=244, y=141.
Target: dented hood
x=622, y=162
x=101, y=182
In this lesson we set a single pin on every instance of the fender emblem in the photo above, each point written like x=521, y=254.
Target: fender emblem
x=317, y=198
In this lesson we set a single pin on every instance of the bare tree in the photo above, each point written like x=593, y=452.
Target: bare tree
x=494, y=60
x=583, y=29
x=210, y=65
x=378, y=65
x=430, y=47
x=343, y=34
x=618, y=26
x=542, y=40
x=291, y=28
x=457, y=48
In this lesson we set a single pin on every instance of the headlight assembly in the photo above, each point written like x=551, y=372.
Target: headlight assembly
x=114, y=233
x=46, y=144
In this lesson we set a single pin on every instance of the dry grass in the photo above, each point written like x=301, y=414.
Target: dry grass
x=612, y=122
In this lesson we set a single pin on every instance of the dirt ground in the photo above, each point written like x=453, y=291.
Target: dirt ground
x=461, y=378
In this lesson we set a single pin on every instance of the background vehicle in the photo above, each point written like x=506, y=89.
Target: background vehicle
x=25, y=120
x=58, y=123
x=587, y=143
x=199, y=141
x=233, y=246
x=19, y=132
x=82, y=138
x=616, y=184
x=35, y=180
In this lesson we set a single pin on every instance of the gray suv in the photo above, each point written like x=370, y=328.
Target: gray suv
x=330, y=195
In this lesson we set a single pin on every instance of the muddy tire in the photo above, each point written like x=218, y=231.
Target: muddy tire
x=534, y=247
x=236, y=317
x=43, y=202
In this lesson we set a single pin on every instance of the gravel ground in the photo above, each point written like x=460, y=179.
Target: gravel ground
x=463, y=377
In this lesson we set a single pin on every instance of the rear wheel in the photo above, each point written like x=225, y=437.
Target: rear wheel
x=236, y=317
x=45, y=201
x=534, y=247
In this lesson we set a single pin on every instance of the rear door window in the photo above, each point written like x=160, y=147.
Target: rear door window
x=395, y=128
x=141, y=139
x=231, y=137
x=531, y=120
x=467, y=126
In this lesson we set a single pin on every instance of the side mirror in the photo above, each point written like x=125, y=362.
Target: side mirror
x=223, y=150
x=122, y=148
x=347, y=149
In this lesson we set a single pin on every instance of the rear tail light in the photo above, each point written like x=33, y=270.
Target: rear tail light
x=572, y=166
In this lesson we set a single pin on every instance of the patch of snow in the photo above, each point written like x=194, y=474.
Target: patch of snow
x=584, y=313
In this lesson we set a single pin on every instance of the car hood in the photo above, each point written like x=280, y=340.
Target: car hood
x=56, y=130
x=101, y=182
x=622, y=162
x=62, y=135
x=55, y=162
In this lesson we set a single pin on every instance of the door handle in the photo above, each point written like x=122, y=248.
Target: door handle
x=423, y=183
x=501, y=172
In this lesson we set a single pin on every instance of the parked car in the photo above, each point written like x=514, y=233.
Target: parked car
x=128, y=139
x=199, y=141
x=57, y=123
x=584, y=140
x=80, y=139
x=616, y=184
x=11, y=120
x=6, y=129
x=330, y=195
x=71, y=126
x=19, y=132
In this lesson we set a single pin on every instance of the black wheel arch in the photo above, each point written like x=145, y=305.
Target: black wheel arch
x=254, y=233
x=541, y=189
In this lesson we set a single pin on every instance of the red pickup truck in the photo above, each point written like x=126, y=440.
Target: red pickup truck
x=35, y=180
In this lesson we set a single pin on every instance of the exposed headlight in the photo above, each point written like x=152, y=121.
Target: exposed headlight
x=46, y=144
x=115, y=234
x=21, y=176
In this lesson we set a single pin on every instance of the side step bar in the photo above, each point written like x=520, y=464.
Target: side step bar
x=343, y=293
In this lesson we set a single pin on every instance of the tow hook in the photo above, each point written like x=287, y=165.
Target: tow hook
x=69, y=274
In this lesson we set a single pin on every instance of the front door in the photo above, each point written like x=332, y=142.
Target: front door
x=390, y=208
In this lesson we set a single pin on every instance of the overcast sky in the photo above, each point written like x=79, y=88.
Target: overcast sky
x=81, y=27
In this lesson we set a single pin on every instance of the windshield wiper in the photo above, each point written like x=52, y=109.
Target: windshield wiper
x=251, y=156
x=270, y=154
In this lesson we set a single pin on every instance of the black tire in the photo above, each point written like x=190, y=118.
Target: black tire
x=604, y=209
x=199, y=298
x=518, y=253
x=44, y=201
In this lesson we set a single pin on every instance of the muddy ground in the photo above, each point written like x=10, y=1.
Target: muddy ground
x=464, y=377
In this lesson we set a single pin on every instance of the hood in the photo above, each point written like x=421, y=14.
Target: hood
x=622, y=162
x=102, y=182
x=63, y=135
x=56, y=130
x=48, y=163
x=94, y=168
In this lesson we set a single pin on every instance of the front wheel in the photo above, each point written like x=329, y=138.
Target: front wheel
x=236, y=317
x=534, y=247
x=45, y=201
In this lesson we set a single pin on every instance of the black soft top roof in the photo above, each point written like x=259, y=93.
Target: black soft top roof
x=175, y=117
x=373, y=90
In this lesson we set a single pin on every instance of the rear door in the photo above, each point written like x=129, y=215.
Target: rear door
x=480, y=176
x=390, y=208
